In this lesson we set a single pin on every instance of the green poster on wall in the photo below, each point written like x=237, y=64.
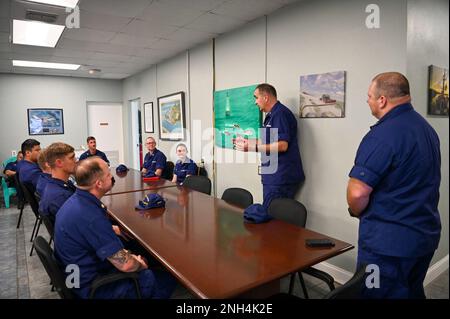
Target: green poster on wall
x=236, y=114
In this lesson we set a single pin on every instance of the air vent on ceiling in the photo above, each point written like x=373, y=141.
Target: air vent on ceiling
x=41, y=16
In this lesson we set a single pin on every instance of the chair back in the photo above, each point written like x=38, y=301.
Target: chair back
x=45, y=253
x=202, y=171
x=199, y=183
x=29, y=197
x=238, y=196
x=288, y=210
x=351, y=289
x=20, y=195
x=49, y=223
x=168, y=171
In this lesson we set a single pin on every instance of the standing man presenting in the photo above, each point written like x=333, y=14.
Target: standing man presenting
x=394, y=191
x=282, y=170
x=154, y=161
x=93, y=151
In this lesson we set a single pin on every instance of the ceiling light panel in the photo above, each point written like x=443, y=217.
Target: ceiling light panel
x=45, y=65
x=60, y=3
x=36, y=33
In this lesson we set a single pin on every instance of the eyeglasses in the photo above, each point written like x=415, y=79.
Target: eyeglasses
x=150, y=143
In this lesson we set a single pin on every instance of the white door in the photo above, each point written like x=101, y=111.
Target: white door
x=105, y=124
x=136, y=138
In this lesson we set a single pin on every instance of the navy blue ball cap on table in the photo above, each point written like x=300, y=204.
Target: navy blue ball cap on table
x=256, y=214
x=121, y=169
x=151, y=201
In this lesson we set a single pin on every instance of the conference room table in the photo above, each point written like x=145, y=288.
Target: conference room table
x=204, y=242
x=132, y=181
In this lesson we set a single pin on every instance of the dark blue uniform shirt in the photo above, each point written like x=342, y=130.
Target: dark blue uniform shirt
x=97, y=153
x=55, y=195
x=290, y=169
x=11, y=166
x=84, y=236
x=400, y=159
x=154, y=161
x=182, y=169
x=42, y=183
x=29, y=174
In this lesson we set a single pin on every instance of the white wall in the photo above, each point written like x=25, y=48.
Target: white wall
x=305, y=38
x=428, y=44
x=20, y=92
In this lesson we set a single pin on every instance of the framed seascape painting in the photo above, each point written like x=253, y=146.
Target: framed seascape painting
x=171, y=112
x=437, y=91
x=235, y=114
x=148, y=117
x=322, y=95
x=45, y=121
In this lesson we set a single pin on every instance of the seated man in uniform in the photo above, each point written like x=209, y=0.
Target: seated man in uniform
x=28, y=169
x=46, y=172
x=184, y=167
x=61, y=159
x=11, y=169
x=93, y=151
x=84, y=236
x=154, y=161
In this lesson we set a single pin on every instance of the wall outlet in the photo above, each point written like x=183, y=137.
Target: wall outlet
x=13, y=153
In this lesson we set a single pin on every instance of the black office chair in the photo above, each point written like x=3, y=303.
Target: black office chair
x=198, y=183
x=20, y=198
x=350, y=290
x=202, y=171
x=294, y=212
x=168, y=171
x=238, y=196
x=57, y=277
x=31, y=199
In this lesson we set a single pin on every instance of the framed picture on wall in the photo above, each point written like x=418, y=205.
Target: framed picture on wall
x=148, y=117
x=172, y=123
x=45, y=121
x=437, y=91
x=322, y=95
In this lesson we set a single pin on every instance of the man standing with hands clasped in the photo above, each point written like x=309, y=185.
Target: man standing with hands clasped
x=281, y=169
x=394, y=191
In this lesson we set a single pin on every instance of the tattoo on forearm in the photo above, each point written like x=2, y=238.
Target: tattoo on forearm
x=121, y=257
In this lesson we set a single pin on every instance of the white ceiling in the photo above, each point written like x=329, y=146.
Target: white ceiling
x=124, y=37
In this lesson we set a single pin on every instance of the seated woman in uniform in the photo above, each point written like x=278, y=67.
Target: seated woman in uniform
x=184, y=166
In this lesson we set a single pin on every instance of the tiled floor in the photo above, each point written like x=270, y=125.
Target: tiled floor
x=22, y=276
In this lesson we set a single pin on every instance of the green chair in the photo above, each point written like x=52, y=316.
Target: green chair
x=8, y=191
x=9, y=160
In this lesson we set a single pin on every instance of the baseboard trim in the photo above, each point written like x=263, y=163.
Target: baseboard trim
x=341, y=276
x=437, y=269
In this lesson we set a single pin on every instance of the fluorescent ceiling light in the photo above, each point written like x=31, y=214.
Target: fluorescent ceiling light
x=36, y=33
x=60, y=3
x=45, y=65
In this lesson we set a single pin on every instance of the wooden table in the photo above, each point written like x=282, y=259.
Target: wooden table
x=131, y=181
x=204, y=242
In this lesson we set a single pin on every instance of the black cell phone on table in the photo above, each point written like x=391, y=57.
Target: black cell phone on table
x=319, y=242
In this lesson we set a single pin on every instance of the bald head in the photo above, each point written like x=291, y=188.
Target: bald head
x=88, y=171
x=392, y=85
